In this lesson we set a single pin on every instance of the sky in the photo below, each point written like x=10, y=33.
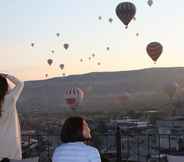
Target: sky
x=38, y=21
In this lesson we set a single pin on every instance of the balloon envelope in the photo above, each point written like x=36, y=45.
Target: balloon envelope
x=110, y=20
x=66, y=46
x=61, y=66
x=32, y=44
x=150, y=2
x=154, y=50
x=50, y=61
x=73, y=97
x=125, y=12
x=170, y=89
x=122, y=99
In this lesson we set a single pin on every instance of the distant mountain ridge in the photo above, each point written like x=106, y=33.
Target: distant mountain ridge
x=47, y=95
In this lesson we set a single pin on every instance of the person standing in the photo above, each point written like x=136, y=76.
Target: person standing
x=10, y=135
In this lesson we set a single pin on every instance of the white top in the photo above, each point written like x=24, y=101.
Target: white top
x=10, y=136
x=76, y=152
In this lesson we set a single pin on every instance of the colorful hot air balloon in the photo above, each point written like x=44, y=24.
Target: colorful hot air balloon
x=61, y=66
x=150, y=2
x=154, y=50
x=125, y=12
x=66, y=46
x=170, y=89
x=73, y=97
x=50, y=61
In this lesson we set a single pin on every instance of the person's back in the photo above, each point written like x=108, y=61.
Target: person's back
x=74, y=133
x=76, y=151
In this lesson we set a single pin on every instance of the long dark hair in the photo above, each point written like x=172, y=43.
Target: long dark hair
x=72, y=130
x=3, y=91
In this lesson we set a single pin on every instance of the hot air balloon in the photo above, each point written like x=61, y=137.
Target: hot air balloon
x=180, y=94
x=73, y=97
x=150, y=2
x=32, y=44
x=154, y=50
x=170, y=89
x=50, y=61
x=99, y=17
x=122, y=99
x=57, y=34
x=61, y=66
x=110, y=20
x=66, y=46
x=108, y=48
x=125, y=12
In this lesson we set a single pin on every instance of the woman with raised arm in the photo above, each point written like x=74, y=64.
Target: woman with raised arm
x=10, y=136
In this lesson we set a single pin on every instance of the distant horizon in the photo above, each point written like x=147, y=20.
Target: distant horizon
x=72, y=75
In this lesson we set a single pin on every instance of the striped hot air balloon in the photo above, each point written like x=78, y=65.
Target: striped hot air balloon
x=73, y=97
x=154, y=50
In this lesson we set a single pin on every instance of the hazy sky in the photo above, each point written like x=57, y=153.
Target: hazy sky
x=38, y=21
